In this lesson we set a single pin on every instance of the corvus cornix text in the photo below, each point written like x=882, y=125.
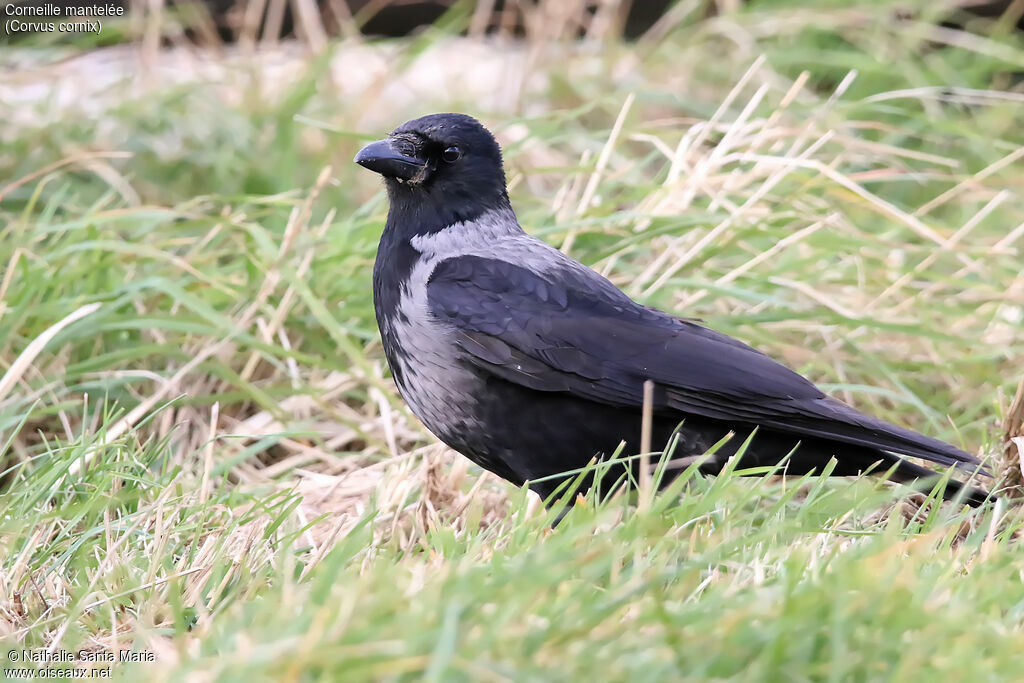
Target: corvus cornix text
x=531, y=364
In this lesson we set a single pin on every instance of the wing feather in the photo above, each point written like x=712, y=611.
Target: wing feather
x=570, y=330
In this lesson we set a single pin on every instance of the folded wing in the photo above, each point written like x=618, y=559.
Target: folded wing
x=572, y=331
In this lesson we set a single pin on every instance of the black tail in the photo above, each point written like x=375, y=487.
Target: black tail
x=811, y=455
x=924, y=480
x=831, y=419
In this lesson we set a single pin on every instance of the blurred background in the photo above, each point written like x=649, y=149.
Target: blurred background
x=190, y=374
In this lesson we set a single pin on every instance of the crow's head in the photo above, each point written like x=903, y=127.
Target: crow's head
x=439, y=169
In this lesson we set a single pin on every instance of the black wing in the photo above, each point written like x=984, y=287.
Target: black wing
x=571, y=330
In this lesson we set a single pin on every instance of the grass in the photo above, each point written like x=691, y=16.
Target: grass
x=203, y=455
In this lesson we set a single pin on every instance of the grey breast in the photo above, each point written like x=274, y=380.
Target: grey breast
x=440, y=390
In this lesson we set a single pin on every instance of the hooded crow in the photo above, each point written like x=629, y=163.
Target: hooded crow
x=531, y=364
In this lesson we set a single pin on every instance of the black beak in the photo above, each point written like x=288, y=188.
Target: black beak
x=381, y=157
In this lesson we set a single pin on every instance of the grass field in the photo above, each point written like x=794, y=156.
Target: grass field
x=205, y=459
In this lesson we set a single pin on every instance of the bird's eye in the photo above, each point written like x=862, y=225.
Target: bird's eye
x=452, y=154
